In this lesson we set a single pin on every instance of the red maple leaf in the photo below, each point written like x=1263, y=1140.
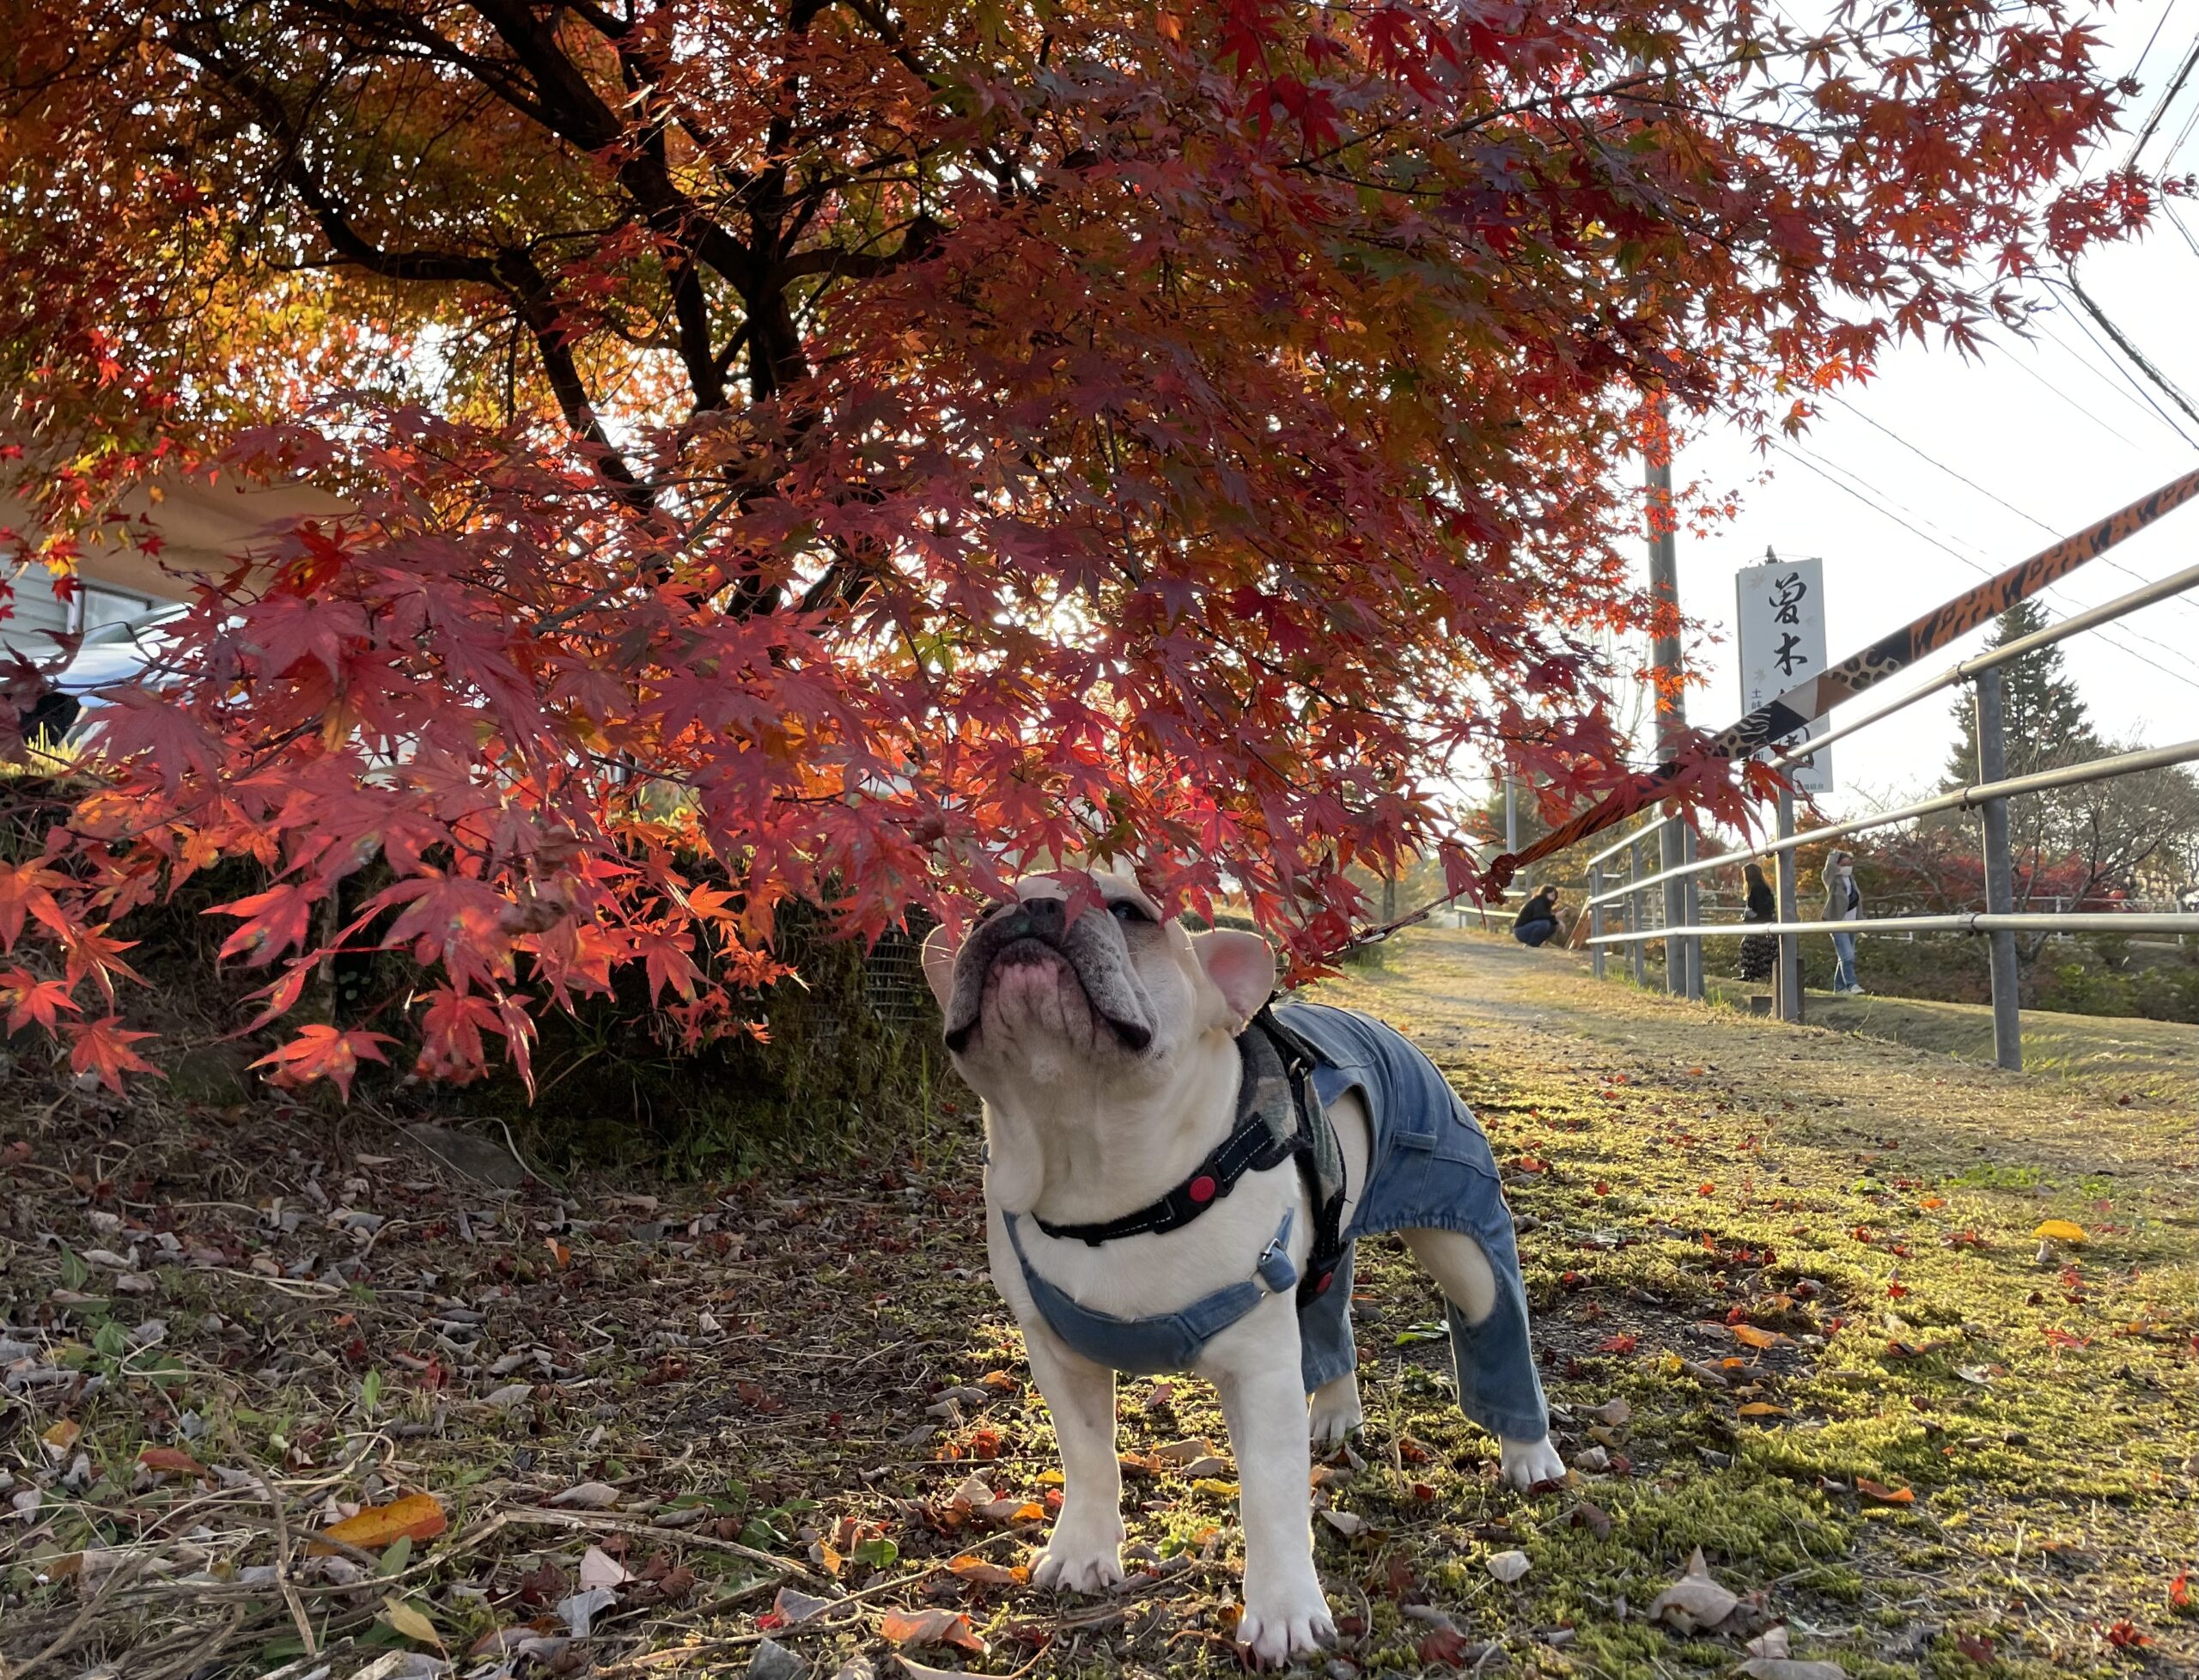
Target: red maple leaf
x=321, y=1051
x=28, y=889
x=31, y=999
x=102, y=1048
x=274, y=921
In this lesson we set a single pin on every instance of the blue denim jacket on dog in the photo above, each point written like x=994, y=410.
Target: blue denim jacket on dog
x=1428, y=1168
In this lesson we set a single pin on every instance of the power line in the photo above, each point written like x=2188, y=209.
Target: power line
x=2142, y=394
x=1992, y=496
x=1885, y=512
x=2123, y=340
x=2057, y=390
x=2160, y=109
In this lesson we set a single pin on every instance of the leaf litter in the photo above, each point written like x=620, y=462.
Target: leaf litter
x=576, y=1425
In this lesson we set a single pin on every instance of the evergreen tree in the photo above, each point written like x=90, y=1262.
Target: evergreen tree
x=2045, y=721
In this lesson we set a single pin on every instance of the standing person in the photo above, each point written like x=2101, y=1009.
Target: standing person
x=1759, y=951
x=1537, y=918
x=1842, y=902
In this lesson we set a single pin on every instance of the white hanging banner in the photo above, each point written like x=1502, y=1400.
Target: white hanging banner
x=1781, y=619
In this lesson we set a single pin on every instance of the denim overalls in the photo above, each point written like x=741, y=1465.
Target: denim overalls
x=1428, y=1168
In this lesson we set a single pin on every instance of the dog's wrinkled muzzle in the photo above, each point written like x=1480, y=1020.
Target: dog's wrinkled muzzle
x=1092, y=948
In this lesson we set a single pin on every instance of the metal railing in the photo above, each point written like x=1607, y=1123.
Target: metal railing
x=1683, y=931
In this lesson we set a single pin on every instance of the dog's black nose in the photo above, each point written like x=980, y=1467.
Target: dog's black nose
x=1040, y=916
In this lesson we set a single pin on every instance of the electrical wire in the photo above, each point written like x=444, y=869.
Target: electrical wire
x=1931, y=460
x=2160, y=107
x=1827, y=470
x=2143, y=394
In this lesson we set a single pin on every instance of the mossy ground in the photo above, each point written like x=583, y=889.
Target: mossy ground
x=812, y=1358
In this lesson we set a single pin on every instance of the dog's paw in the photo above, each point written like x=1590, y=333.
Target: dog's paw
x=1526, y=1463
x=1334, y=1413
x=1280, y=1625
x=1072, y=1563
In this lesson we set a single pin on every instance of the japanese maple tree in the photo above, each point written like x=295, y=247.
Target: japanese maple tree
x=850, y=450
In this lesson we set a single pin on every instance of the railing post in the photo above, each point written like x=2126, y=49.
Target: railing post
x=1999, y=877
x=1668, y=857
x=1637, y=951
x=1596, y=918
x=1692, y=914
x=1788, y=981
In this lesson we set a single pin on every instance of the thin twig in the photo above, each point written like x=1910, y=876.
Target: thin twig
x=67, y=1636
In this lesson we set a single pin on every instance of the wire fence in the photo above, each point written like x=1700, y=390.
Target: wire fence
x=1664, y=902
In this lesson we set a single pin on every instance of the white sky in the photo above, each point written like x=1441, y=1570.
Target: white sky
x=2052, y=428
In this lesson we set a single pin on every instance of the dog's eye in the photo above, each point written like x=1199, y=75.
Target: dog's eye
x=1126, y=911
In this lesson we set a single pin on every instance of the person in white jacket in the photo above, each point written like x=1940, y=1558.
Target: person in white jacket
x=1842, y=902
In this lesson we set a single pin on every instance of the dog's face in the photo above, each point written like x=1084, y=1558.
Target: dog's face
x=1102, y=1010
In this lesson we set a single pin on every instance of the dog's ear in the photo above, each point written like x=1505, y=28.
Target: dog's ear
x=938, y=964
x=1241, y=966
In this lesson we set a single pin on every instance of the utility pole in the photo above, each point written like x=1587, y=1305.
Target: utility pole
x=1671, y=705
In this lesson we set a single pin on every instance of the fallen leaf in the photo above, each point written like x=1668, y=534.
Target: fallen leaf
x=1789, y=1668
x=587, y=1496
x=979, y=1573
x=1976, y=1374
x=411, y=1622
x=1694, y=1601
x=790, y=1608
x=2060, y=1231
x=600, y=1568
x=1771, y=1643
x=1594, y=1517
x=974, y=1491
x=579, y=1610
x=1978, y=1648
x=1215, y=1489
x=1507, y=1567
x=62, y=1436
x=1346, y=1522
x=931, y=1627
x=1764, y=1408
x=1613, y=1412
x=1750, y=1336
x=1446, y=1647
x=415, y=1517
x=1186, y=1452
x=172, y=1459
x=1882, y=1494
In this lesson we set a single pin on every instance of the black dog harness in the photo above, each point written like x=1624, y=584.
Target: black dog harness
x=1279, y=1118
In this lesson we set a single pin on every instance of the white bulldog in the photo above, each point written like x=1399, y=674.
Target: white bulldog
x=1105, y=1050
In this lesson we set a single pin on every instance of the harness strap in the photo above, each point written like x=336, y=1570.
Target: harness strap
x=1252, y=1147
x=1166, y=1340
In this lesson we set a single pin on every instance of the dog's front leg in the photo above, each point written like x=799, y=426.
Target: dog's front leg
x=1085, y=1552
x=1255, y=1367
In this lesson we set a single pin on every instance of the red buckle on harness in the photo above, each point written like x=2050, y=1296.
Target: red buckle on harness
x=1200, y=1190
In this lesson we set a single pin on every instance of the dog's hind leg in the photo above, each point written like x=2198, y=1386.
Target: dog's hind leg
x=1333, y=1411
x=1462, y=1271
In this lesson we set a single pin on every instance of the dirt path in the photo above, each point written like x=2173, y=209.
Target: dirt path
x=1789, y=1304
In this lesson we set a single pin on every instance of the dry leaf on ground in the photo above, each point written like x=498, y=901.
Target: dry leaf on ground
x=415, y=1517
x=411, y=1622
x=1693, y=1601
x=587, y=1496
x=931, y=1627
x=1507, y=1567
